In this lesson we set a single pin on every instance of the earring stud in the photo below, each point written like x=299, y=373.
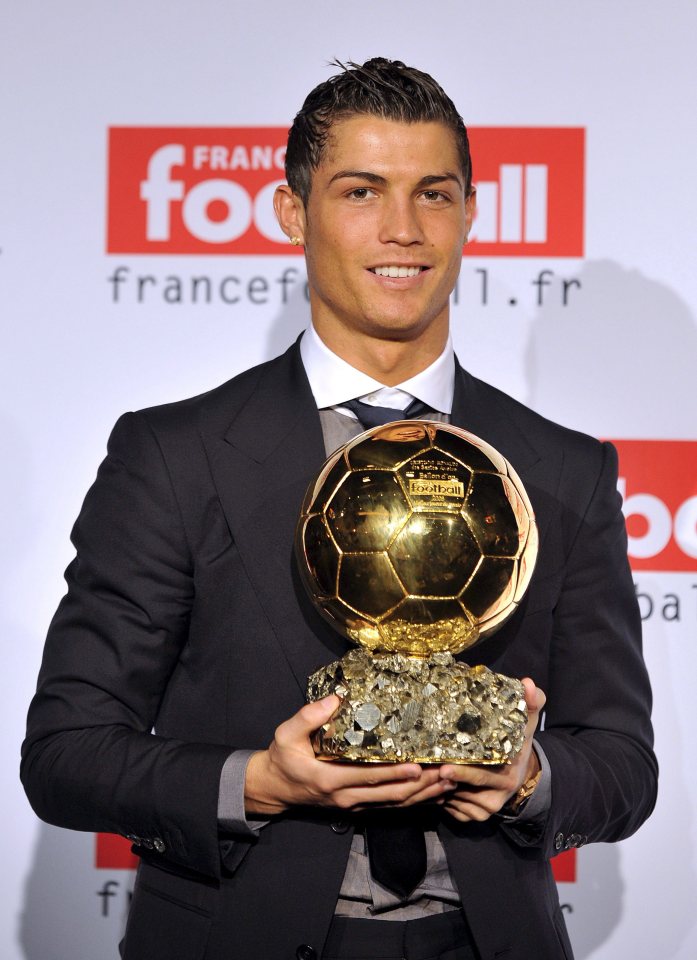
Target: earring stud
x=295, y=241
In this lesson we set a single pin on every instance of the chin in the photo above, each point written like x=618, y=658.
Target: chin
x=398, y=327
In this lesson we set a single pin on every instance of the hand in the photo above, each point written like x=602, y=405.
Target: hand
x=289, y=774
x=482, y=791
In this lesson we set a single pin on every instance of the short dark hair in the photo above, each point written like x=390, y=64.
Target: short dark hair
x=380, y=88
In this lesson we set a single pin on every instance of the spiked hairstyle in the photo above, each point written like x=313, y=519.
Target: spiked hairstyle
x=379, y=88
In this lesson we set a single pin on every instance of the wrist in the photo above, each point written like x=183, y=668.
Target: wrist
x=517, y=800
x=534, y=765
x=258, y=797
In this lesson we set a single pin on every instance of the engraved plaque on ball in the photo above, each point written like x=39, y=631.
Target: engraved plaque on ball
x=416, y=540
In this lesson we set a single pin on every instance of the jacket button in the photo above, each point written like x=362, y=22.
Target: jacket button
x=159, y=845
x=305, y=952
x=574, y=840
x=559, y=841
x=341, y=826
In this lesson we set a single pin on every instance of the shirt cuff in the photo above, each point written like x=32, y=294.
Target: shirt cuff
x=231, y=813
x=537, y=806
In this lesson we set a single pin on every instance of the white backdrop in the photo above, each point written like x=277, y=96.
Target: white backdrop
x=74, y=359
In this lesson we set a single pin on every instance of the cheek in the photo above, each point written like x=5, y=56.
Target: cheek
x=338, y=244
x=351, y=242
x=456, y=260
x=451, y=271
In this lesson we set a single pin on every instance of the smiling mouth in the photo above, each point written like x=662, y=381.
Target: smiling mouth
x=394, y=271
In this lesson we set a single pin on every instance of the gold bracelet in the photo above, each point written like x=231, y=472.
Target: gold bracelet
x=525, y=790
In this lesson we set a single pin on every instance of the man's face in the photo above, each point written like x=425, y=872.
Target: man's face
x=383, y=230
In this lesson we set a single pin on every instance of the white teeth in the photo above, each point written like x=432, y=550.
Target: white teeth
x=397, y=271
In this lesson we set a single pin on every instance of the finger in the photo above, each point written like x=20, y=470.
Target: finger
x=387, y=794
x=535, y=700
x=492, y=795
x=345, y=785
x=476, y=776
x=478, y=806
x=432, y=794
x=534, y=697
x=308, y=719
x=437, y=791
x=465, y=812
x=407, y=778
x=347, y=776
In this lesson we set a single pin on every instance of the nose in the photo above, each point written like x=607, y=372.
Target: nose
x=401, y=222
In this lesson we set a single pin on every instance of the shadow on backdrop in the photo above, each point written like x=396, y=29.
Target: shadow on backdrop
x=623, y=353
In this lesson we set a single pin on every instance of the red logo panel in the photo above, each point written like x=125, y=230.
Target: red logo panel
x=208, y=190
x=564, y=867
x=113, y=852
x=658, y=481
x=194, y=190
x=530, y=191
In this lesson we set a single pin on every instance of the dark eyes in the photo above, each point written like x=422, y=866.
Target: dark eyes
x=430, y=196
x=360, y=193
x=433, y=195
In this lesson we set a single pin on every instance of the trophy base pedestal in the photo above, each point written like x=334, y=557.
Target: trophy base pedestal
x=396, y=709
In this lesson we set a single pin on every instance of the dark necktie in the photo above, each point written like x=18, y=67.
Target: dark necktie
x=394, y=838
x=370, y=416
x=396, y=848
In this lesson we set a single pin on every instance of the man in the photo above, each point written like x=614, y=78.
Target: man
x=170, y=702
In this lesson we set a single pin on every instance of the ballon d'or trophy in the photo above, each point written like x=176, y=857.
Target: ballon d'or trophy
x=416, y=540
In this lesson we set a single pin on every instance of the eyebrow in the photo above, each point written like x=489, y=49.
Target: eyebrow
x=427, y=181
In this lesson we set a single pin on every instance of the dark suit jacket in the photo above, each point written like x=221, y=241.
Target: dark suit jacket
x=185, y=613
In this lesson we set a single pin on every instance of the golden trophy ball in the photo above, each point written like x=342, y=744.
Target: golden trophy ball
x=416, y=540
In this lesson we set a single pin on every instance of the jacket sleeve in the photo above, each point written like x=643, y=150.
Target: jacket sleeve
x=597, y=731
x=92, y=759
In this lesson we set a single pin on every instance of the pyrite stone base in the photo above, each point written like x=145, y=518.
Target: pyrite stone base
x=396, y=708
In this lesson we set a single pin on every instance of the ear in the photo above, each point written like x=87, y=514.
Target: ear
x=290, y=213
x=470, y=210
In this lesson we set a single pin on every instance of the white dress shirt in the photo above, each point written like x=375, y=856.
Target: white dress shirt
x=333, y=380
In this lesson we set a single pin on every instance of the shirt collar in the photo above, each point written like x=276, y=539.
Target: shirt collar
x=333, y=380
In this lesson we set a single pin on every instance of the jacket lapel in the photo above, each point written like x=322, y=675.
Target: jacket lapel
x=262, y=463
x=488, y=414
x=477, y=408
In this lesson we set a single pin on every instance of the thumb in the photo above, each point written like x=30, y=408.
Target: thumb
x=534, y=697
x=310, y=717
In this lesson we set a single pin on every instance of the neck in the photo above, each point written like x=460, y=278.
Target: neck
x=389, y=361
